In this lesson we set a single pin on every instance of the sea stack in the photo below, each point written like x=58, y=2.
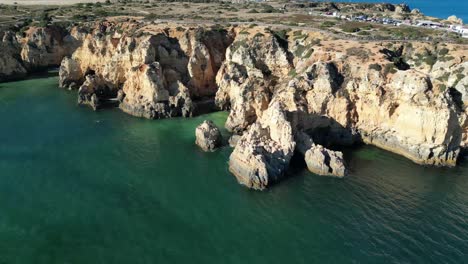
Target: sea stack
x=208, y=136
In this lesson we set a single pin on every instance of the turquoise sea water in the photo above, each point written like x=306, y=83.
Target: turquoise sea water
x=78, y=186
x=435, y=8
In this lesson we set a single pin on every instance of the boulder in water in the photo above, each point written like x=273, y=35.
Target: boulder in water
x=208, y=136
x=325, y=162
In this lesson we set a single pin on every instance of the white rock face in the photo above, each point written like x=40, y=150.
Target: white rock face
x=208, y=137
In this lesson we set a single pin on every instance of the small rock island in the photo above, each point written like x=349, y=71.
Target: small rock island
x=208, y=136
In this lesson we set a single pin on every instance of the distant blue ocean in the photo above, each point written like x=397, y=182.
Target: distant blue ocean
x=435, y=8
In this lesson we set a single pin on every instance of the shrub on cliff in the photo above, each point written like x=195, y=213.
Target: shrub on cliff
x=327, y=24
x=151, y=17
x=44, y=19
x=443, y=52
x=351, y=27
x=269, y=9
x=357, y=52
x=389, y=68
x=375, y=66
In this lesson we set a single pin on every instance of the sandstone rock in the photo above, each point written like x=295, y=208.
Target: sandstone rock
x=247, y=78
x=262, y=155
x=45, y=46
x=462, y=88
x=87, y=92
x=208, y=136
x=10, y=66
x=39, y=48
x=145, y=93
x=70, y=73
x=455, y=20
x=319, y=159
x=402, y=8
x=158, y=75
x=325, y=162
x=233, y=140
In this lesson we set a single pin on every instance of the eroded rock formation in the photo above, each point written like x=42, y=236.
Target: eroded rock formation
x=157, y=72
x=408, y=99
x=38, y=48
x=262, y=154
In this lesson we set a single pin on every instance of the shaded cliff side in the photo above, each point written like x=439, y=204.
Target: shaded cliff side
x=36, y=49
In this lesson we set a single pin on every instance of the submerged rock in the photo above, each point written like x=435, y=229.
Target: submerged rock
x=208, y=136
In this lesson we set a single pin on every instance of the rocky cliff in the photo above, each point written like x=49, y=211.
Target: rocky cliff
x=35, y=49
x=344, y=93
x=155, y=72
x=408, y=98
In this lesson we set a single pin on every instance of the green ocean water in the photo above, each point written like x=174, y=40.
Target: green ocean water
x=78, y=186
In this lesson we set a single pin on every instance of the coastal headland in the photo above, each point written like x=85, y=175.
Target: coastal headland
x=290, y=89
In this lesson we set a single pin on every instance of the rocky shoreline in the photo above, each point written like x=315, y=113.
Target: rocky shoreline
x=287, y=93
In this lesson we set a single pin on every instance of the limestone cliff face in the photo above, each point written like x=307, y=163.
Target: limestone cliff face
x=44, y=47
x=254, y=65
x=340, y=97
x=157, y=72
x=262, y=155
x=37, y=48
x=408, y=99
x=10, y=62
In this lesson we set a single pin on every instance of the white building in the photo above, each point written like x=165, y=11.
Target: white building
x=464, y=32
x=428, y=23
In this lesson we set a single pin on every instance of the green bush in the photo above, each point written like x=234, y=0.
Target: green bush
x=442, y=87
x=357, y=52
x=375, y=67
x=430, y=59
x=327, y=24
x=292, y=73
x=269, y=9
x=443, y=52
x=390, y=68
x=363, y=33
x=308, y=53
x=353, y=27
